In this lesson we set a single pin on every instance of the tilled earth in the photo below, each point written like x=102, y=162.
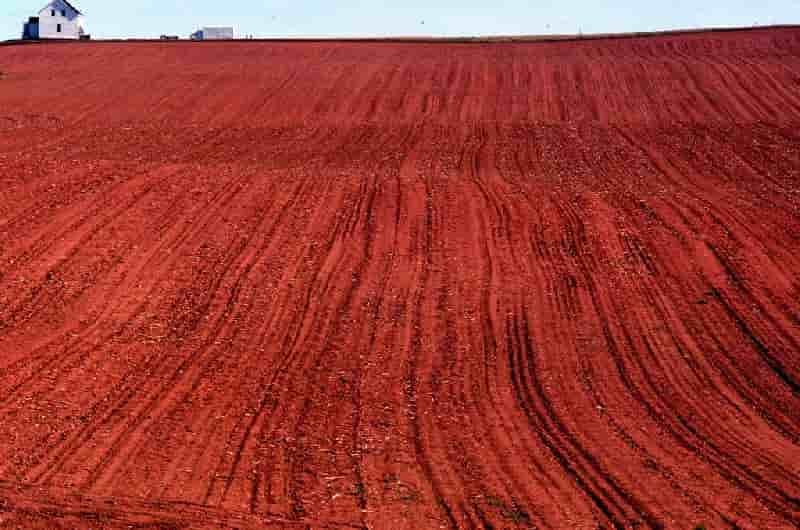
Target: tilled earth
x=401, y=285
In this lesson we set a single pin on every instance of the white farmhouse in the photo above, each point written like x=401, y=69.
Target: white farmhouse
x=57, y=20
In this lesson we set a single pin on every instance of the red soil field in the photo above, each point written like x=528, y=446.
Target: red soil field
x=401, y=285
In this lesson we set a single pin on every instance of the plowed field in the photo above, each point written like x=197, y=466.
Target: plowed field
x=397, y=285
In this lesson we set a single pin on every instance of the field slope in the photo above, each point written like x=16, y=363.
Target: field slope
x=401, y=285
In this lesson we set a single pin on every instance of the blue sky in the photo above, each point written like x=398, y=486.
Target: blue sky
x=275, y=18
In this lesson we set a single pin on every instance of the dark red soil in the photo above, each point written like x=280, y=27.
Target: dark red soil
x=401, y=285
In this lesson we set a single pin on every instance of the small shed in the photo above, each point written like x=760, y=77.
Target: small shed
x=30, y=29
x=213, y=33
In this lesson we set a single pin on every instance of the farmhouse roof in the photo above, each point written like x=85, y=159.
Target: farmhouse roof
x=68, y=5
x=72, y=6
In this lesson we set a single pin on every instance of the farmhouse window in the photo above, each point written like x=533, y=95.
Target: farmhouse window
x=58, y=28
x=52, y=12
x=63, y=12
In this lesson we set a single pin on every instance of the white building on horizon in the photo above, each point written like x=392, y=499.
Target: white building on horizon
x=59, y=19
x=213, y=33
